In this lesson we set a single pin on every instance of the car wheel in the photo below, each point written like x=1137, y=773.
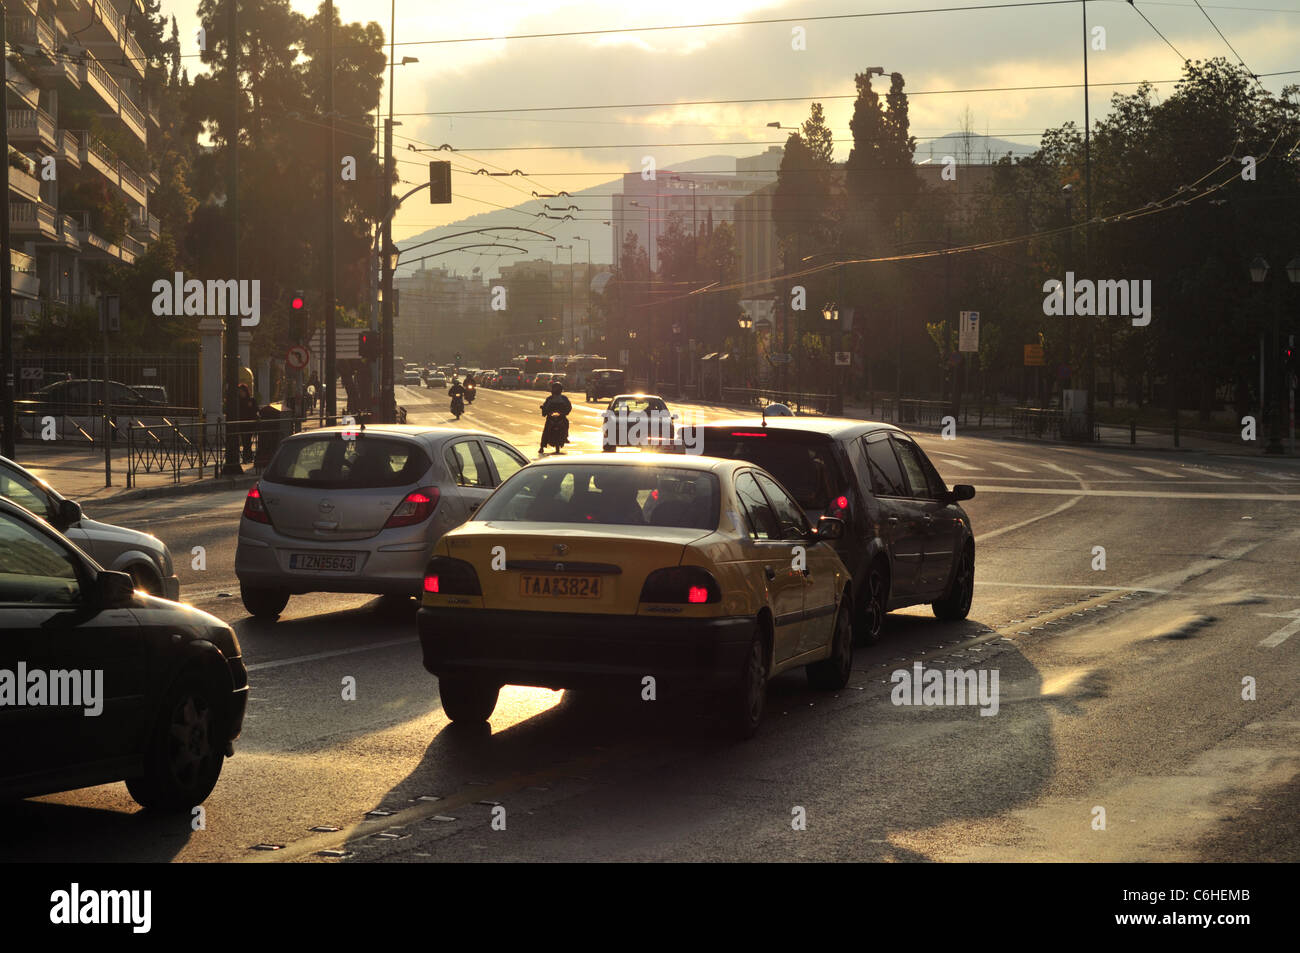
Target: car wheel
x=263, y=603
x=744, y=706
x=955, y=605
x=466, y=699
x=145, y=580
x=874, y=598
x=186, y=748
x=833, y=673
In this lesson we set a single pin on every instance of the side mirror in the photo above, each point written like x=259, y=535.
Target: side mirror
x=113, y=590
x=69, y=512
x=828, y=528
x=961, y=491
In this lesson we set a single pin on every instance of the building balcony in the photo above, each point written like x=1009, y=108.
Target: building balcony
x=31, y=31
x=108, y=33
x=31, y=127
x=116, y=102
x=69, y=148
x=131, y=249
x=67, y=236
x=154, y=117
x=33, y=220
x=23, y=268
x=95, y=155
x=21, y=86
x=144, y=226
x=94, y=247
x=23, y=184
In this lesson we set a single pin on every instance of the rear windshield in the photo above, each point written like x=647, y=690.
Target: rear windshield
x=803, y=463
x=607, y=494
x=330, y=462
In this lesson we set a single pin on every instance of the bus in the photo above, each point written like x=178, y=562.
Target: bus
x=576, y=368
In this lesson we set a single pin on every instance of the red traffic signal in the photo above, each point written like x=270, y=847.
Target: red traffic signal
x=297, y=302
x=368, y=345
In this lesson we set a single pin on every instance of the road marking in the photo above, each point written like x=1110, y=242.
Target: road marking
x=1048, y=585
x=958, y=463
x=1010, y=466
x=1142, y=494
x=276, y=663
x=1160, y=473
x=1202, y=471
x=1033, y=519
x=1284, y=633
x=1272, y=475
x=1111, y=470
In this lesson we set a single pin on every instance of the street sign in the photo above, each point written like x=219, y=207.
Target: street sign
x=149, y=372
x=843, y=358
x=33, y=373
x=1034, y=355
x=969, y=335
x=298, y=357
x=780, y=358
x=347, y=343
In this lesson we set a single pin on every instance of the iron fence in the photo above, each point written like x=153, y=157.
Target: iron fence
x=180, y=448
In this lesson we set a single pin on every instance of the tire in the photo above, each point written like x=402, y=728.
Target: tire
x=146, y=580
x=466, y=699
x=955, y=604
x=873, y=599
x=833, y=673
x=264, y=604
x=186, y=747
x=744, y=703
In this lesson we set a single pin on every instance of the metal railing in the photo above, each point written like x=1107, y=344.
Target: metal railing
x=195, y=447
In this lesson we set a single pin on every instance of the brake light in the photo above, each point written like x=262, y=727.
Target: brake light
x=417, y=507
x=738, y=433
x=679, y=584
x=451, y=577
x=254, y=508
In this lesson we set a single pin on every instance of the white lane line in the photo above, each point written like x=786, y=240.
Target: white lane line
x=1284, y=633
x=1010, y=466
x=1272, y=475
x=1048, y=585
x=262, y=666
x=1111, y=470
x=1160, y=473
x=1202, y=471
x=1143, y=494
x=958, y=464
x=1033, y=519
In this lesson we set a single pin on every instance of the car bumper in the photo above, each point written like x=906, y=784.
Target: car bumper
x=569, y=650
x=264, y=565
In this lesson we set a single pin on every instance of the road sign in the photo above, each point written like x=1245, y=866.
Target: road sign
x=843, y=358
x=1034, y=355
x=780, y=358
x=33, y=373
x=298, y=357
x=968, y=338
x=347, y=343
x=149, y=372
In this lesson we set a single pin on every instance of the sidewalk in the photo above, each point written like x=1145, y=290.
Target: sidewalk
x=78, y=474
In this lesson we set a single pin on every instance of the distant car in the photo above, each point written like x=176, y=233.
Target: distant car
x=437, y=380
x=605, y=382
x=154, y=392
x=623, y=567
x=509, y=378
x=82, y=392
x=170, y=686
x=777, y=410
x=144, y=558
x=907, y=539
x=411, y=378
x=637, y=420
x=543, y=381
x=362, y=514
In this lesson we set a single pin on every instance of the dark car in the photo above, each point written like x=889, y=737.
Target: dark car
x=103, y=683
x=605, y=382
x=87, y=392
x=907, y=540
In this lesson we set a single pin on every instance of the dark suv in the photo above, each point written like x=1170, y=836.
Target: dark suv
x=906, y=542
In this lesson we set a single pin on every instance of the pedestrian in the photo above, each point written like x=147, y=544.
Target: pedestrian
x=313, y=392
x=247, y=422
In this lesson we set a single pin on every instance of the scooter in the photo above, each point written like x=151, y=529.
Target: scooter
x=555, y=433
x=457, y=406
x=469, y=392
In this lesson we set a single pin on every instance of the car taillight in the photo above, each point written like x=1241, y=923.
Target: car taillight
x=839, y=507
x=451, y=577
x=417, y=507
x=689, y=584
x=254, y=508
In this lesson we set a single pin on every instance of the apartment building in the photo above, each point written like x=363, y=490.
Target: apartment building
x=79, y=127
x=439, y=314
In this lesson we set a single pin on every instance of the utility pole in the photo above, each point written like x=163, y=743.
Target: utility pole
x=231, y=466
x=331, y=173
x=8, y=419
x=1087, y=233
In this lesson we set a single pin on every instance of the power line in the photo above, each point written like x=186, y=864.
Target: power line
x=1158, y=33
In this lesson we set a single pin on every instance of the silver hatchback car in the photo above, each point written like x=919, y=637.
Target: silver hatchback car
x=342, y=510
x=144, y=558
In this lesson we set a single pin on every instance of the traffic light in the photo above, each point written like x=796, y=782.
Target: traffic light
x=439, y=183
x=297, y=311
x=297, y=301
x=368, y=345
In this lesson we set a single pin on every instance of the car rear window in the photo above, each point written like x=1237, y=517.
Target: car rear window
x=330, y=462
x=803, y=463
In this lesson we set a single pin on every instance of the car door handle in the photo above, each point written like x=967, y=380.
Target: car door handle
x=927, y=520
x=891, y=519
x=769, y=572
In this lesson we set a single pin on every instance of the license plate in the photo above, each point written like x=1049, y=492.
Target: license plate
x=562, y=587
x=323, y=562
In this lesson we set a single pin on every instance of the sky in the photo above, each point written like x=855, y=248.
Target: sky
x=776, y=68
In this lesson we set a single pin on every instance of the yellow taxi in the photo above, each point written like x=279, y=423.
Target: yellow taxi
x=654, y=572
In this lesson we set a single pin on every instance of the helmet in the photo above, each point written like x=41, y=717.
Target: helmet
x=556, y=387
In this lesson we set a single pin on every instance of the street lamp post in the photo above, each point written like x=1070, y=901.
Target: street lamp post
x=746, y=326
x=586, y=293
x=831, y=314
x=1259, y=269
x=569, y=336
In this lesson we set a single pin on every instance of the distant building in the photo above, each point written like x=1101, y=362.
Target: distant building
x=439, y=314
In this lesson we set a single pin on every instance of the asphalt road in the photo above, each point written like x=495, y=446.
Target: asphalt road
x=1121, y=731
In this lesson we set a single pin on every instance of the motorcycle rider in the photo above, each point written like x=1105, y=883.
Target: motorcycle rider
x=471, y=386
x=457, y=393
x=556, y=403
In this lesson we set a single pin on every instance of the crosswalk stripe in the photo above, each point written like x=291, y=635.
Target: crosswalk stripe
x=1010, y=466
x=1160, y=473
x=1198, y=471
x=958, y=464
x=1109, y=470
x=1273, y=475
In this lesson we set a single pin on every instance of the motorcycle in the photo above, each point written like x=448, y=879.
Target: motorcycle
x=555, y=433
x=469, y=392
x=457, y=406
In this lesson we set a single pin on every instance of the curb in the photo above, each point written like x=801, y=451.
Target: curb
x=184, y=489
